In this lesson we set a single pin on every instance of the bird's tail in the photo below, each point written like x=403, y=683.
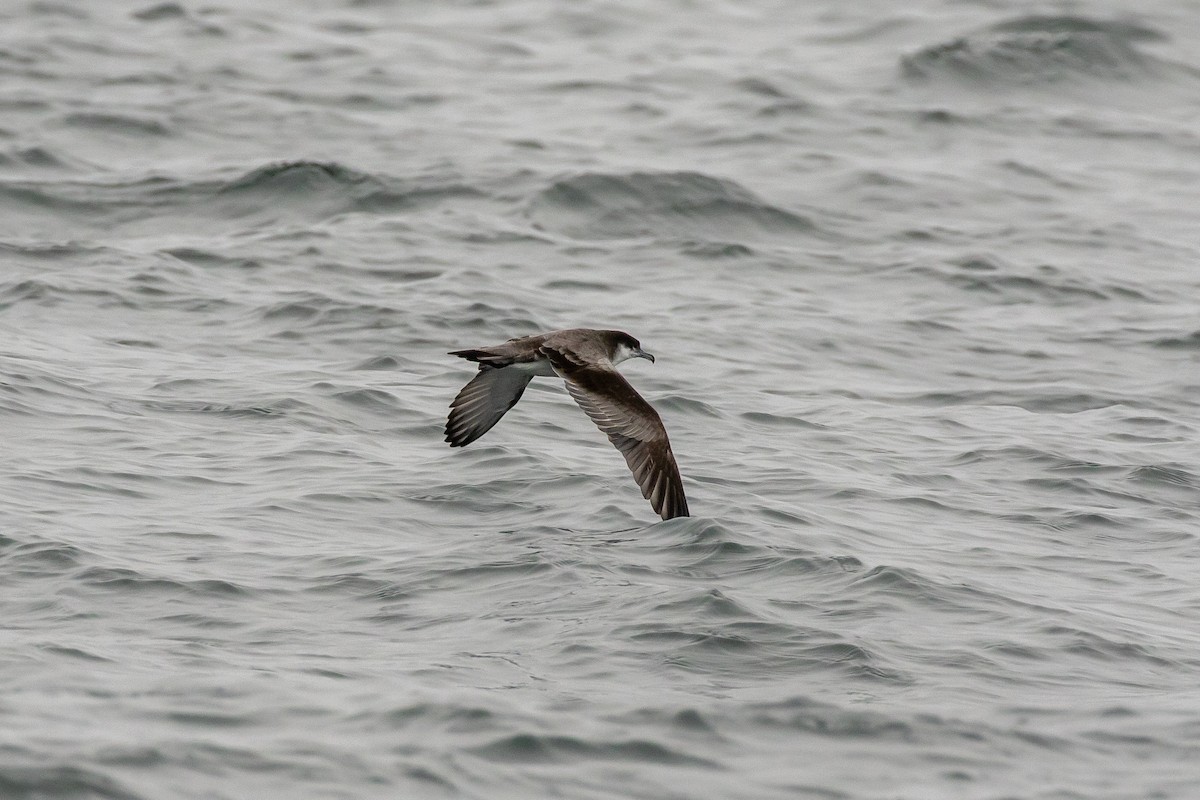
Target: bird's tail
x=484, y=357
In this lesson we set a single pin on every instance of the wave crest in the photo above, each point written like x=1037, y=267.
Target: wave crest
x=659, y=204
x=1039, y=50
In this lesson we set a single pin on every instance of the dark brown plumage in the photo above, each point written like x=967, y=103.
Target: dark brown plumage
x=586, y=360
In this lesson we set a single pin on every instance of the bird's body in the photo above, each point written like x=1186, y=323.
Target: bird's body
x=586, y=359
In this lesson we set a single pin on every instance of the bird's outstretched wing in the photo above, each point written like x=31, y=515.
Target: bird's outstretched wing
x=483, y=401
x=630, y=423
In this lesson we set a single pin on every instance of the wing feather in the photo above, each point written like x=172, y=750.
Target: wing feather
x=631, y=424
x=482, y=402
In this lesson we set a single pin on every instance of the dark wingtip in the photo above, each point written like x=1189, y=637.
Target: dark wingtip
x=674, y=513
x=674, y=505
x=460, y=439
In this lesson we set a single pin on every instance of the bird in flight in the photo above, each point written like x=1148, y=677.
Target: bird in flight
x=586, y=359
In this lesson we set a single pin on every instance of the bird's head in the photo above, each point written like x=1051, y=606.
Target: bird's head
x=626, y=347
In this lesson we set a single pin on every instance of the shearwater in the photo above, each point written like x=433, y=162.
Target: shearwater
x=586, y=359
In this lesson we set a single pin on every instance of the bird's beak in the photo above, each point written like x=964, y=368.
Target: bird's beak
x=640, y=353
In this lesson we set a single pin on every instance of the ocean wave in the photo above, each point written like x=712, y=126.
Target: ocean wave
x=160, y=11
x=283, y=192
x=98, y=122
x=1046, y=398
x=47, y=292
x=1190, y=341
x=714, y=250
x=23, y=559
x=385, y=363
x=205, y=407
x=800, y=714
x=65, y=780
x=525, y=748
x=328, y=188
x=1041, y=284
x=751, y=647
x=1166, y=475
x=688, y=405
x=687, y=205
x=123, y=580
x=310, y=310
x=31, y=386
x=37, y=157
x=1040, y=50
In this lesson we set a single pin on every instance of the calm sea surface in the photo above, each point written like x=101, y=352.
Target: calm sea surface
x=923, y=281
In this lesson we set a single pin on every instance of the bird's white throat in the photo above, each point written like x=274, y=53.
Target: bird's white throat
x=624, y=353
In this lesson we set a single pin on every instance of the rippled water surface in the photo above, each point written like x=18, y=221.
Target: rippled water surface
x=922, y=280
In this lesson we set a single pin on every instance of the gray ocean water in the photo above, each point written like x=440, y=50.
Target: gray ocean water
x=922, y=280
